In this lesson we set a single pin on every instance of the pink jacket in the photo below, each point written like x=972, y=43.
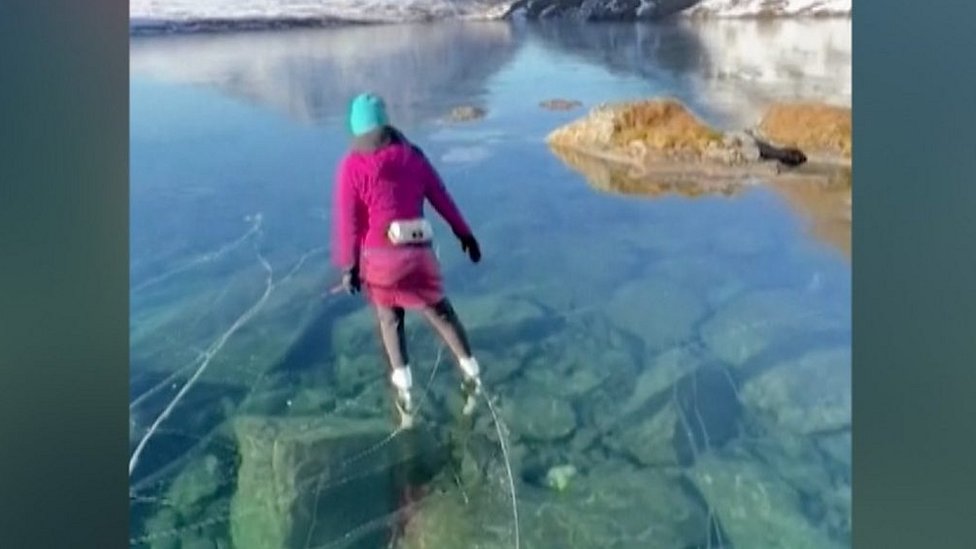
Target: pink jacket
x=373, y=189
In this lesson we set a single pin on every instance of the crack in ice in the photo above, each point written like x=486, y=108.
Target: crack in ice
x=205, y=258
x=208, y=357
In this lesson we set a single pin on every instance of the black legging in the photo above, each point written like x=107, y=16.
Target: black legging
x=441, y=316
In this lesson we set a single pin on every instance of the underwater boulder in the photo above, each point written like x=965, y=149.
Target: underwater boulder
x=697, y=414
x=649, y=441
x=752, y=323
x=560, y=104
x=311, y=400
x=197, y=484
x=534, y=413
x=823, y=484
x=659, y=375
x=614, y=505
x=503, y=320
x=471, y=516
x=498, y=367
x=353, y=373
x=575, y=365
x=466, y=113
x=662, y=313
x=755, y=506
x=313, y=479
x=806, y=394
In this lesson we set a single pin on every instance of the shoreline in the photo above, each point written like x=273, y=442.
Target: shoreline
x=143, y=27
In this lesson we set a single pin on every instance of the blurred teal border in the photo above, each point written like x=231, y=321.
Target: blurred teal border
x=64, y=249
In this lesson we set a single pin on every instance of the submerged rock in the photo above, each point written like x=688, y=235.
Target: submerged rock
x=312, y=400
x=577, y=360
x=558, y=477
x=466, y=113
x=698, y=414
x=614, y=505
x=503, y=320
x=807, y=394
x=535, y=414
x=664, y=312
x=649, y=440
x=751, y=323
x=659, y=375
x=311, y=478
x=824, y=486
x=478, y=516
x=755, y=506
x=199, y=482
x=560, y=104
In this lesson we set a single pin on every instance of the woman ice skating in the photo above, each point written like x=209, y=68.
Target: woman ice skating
x=383, y=244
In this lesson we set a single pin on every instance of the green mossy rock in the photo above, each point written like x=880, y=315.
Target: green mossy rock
x=756, y=507
x=807, y=394
x=311, y=478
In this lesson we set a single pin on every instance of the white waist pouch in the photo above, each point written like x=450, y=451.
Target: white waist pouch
x=410, y=231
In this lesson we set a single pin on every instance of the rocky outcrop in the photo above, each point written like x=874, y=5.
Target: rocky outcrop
x=822, y=131
x=639, y=131
x=662, y=143
x=600, y=10
x=662, y=137
x=659, y=147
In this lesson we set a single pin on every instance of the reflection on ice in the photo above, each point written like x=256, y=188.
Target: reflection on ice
x=311, y=75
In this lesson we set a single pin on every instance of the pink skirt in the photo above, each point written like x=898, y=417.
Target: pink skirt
x=407, y=277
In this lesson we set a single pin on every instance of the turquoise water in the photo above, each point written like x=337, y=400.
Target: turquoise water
x=681, y=364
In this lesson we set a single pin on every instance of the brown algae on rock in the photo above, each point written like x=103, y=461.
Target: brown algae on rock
x=815, y=128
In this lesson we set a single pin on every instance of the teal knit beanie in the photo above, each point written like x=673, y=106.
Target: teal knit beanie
x=367, y=113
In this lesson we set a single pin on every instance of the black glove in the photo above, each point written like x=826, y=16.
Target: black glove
x=350, y=280
x=470, y=246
